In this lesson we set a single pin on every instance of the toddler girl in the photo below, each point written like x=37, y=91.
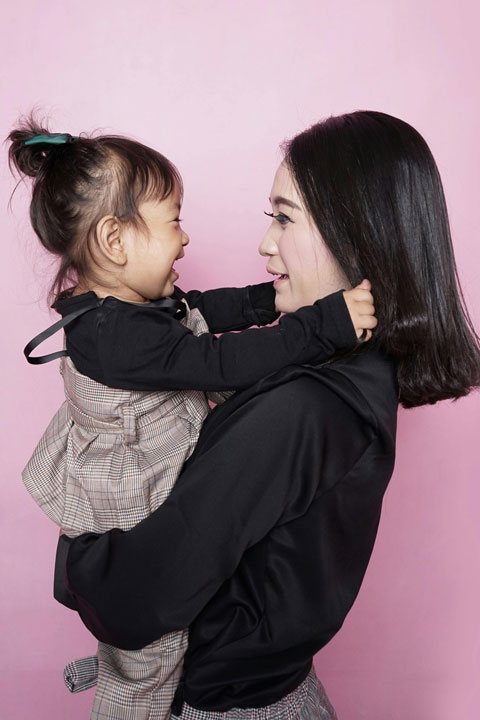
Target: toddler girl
x=139, y=355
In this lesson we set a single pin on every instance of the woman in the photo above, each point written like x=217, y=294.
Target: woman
x=263, y=544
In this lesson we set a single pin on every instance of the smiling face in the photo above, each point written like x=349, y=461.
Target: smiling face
x=305, y=268
x=153, y=249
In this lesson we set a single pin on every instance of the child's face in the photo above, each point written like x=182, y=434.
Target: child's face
x=296, y=251
x=151, y=252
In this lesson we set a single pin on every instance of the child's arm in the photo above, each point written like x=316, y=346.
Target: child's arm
x=140, y=349
x=226, y=309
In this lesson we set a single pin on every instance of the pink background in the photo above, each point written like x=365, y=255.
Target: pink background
x=216, y=85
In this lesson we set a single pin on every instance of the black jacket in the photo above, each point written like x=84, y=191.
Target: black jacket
x=262, y=545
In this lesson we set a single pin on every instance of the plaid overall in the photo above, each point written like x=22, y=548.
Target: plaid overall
x=108, y=459
x=308, y=701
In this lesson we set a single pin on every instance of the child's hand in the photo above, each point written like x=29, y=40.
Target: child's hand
x=362, y=311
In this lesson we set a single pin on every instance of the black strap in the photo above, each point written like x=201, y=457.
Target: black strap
x=170, y=305
x=41, y=337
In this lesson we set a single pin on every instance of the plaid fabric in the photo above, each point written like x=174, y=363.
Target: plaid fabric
x=139, y=684
x=308, y=702
x=81, y=674
x=109, y=458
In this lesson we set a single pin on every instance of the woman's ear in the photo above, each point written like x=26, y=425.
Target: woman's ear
x=110, y=244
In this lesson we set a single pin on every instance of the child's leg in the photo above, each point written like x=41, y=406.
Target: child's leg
x=139, y=684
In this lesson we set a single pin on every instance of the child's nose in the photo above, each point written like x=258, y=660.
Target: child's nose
x=185, y=238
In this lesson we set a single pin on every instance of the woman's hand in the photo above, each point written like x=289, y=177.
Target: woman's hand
x=361, y=308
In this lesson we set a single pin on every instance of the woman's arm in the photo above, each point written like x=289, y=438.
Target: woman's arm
x=226, y=309
x=259, y=462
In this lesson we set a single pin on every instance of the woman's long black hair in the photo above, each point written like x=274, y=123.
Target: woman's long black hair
x=372, y=187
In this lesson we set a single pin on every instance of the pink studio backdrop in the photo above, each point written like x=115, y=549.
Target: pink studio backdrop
x=216, y=85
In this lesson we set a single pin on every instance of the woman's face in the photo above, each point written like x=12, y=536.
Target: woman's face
x=305, y=268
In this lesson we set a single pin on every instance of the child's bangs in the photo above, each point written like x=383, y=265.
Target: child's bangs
x=139, y=174
x=156, y=179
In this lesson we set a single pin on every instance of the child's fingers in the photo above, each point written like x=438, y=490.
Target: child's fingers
x=365, y=325
x=365, y=284
x=363, y=334
x=368, y=321
x=365, y=308
x=361, y=295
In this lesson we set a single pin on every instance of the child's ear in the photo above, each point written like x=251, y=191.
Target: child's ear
x=110, y=245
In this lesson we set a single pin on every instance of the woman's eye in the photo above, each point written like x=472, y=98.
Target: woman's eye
x=280, y=217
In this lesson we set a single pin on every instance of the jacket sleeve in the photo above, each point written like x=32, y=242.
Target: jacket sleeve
x=247, y=475
x=227, y=309
x=162, y=354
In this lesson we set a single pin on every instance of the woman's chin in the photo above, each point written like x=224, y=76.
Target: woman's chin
x=286, y=300
x=283, y=306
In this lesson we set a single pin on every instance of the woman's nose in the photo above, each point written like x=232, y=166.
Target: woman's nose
x=268, y=246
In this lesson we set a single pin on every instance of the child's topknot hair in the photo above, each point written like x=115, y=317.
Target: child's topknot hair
x=79, y=180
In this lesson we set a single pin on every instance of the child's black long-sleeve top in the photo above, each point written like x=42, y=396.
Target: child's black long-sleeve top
x=142, y=347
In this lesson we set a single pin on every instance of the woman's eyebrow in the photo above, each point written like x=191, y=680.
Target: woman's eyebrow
x=279, y=200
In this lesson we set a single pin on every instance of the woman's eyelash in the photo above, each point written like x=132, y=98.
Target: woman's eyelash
x=279, y=217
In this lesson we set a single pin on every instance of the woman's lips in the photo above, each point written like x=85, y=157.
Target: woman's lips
x=279, y=280
x=281, y=277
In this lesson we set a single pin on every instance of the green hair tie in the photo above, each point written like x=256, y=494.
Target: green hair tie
x=50, y=139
